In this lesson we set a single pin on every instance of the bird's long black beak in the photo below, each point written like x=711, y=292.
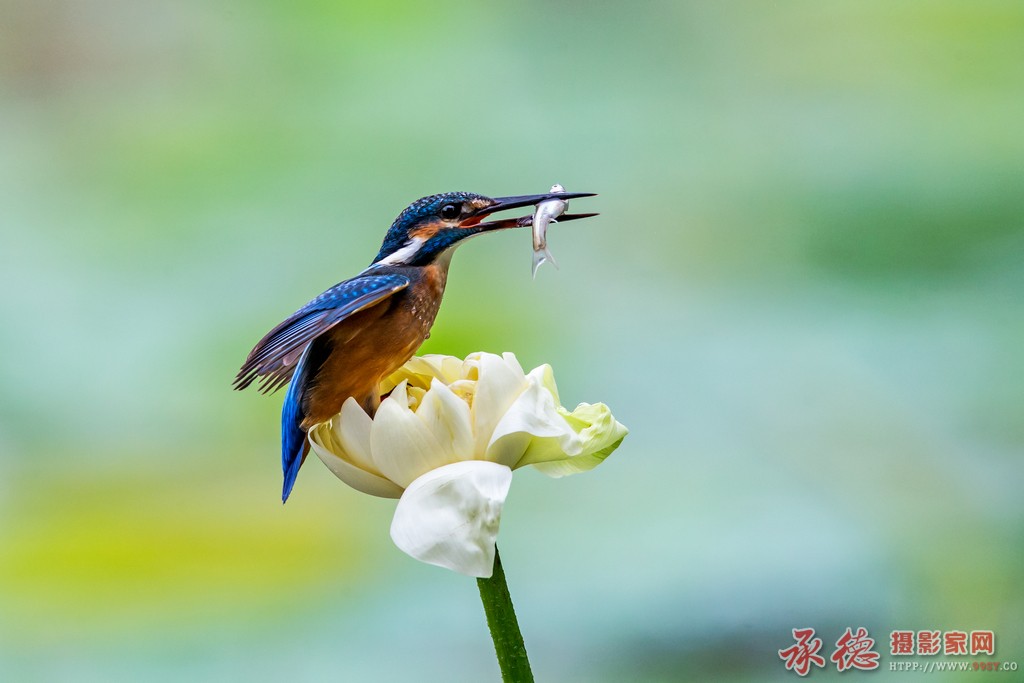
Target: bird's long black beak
x=505, y=203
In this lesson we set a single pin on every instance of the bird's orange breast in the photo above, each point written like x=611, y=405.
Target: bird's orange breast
x=370, y=345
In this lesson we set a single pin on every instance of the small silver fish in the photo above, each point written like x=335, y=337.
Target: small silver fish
x=546, y=212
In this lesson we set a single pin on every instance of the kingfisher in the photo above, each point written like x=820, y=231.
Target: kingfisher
x=345, y=341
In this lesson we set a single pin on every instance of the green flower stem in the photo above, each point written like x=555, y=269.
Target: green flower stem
x=501, y=620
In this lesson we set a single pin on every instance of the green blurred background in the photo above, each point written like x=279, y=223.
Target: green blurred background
x=804, y=295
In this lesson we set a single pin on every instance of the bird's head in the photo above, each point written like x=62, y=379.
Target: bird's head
x=434, y=225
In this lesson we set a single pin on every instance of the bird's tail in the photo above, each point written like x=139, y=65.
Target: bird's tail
x=291, y=469
x=294, y=445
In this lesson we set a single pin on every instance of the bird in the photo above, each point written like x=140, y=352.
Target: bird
x=342, y=343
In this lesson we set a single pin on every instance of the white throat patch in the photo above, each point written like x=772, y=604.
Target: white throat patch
x=404, y=255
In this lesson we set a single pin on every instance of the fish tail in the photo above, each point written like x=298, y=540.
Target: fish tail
x=539, y=257
x=548, y=256
x=542, y=256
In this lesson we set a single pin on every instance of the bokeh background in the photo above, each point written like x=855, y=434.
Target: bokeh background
x=805, y=296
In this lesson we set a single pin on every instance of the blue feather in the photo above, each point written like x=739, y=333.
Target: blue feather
x=272, y=358
x=293, y=438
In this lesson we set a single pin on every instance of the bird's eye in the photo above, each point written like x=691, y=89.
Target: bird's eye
x=450, y=211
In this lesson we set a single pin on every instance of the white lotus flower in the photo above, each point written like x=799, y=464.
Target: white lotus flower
x=445, y=442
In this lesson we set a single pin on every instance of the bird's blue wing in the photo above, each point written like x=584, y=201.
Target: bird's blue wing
x=276, y=356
